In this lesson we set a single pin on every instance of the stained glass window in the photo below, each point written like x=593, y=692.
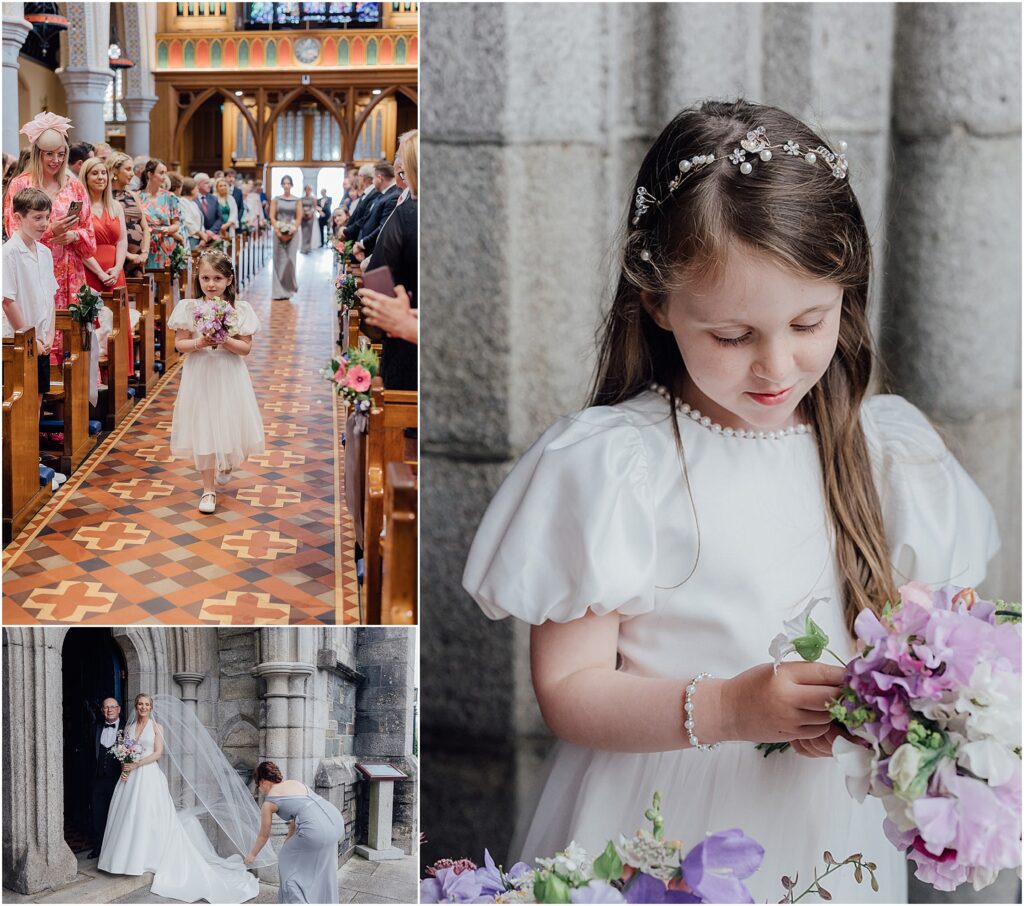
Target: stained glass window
x=312, y=15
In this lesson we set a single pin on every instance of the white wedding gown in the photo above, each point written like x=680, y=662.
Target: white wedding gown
x=145, y=833
x=596, y=515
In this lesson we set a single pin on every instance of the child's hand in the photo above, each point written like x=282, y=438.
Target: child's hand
x=41, y=347
x=761, y=705
x=820, y=747
x=205, y=341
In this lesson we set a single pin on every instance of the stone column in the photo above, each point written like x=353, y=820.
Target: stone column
x=86, y=89
x=137, y=110
x=189, y=683
x=35, y=856
x=16, y=30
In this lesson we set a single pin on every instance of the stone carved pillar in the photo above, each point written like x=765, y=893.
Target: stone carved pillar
x=35, y=856
x=189, y=683
x=16, y=30
x=86, y=89
x=137, y=111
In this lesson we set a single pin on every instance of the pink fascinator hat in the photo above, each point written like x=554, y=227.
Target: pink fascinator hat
x=47, y=131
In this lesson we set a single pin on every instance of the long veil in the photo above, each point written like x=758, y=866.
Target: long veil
x=207, y=775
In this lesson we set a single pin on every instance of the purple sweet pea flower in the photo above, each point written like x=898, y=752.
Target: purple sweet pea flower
x=596, y=892
x=490, y=877
x=715, y=868
x=643, y=888
x=448, y=887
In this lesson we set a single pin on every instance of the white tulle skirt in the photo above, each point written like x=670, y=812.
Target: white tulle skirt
x=145, y=833
x=217, y=421
x=795, y=807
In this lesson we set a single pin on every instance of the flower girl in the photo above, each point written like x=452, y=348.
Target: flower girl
x=729, y=470
x=216, y=419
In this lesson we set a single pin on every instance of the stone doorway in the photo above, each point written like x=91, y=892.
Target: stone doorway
x=93, y=668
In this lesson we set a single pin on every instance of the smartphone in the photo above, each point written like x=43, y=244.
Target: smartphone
x=381, y=281
x=74, y=209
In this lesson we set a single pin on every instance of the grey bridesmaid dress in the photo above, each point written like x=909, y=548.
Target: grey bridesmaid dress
x=308, y=861
x=286, y=253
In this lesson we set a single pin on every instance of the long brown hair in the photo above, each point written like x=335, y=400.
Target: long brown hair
x=798, y=215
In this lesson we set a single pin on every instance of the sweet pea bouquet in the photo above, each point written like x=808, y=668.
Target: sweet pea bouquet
x=351, y=375
x=933, y=701
x=126, y=750
x=215, y=318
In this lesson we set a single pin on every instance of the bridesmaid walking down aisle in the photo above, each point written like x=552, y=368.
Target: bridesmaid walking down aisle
x=284, y=210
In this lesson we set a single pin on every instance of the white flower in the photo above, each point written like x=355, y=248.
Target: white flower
x=904, y=766
x=857, y=764
x=572, y=859
x=738, y=155
x=791, y=147
x=657, y=858
x=992, y=703
x=596, y=892
x=800, y=627
x=990, y=760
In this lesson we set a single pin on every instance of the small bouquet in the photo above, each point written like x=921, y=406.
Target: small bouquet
x=345, y=292
x=285, y=226
x=934, y=703
x=644, y=868
x=179, y=259
x=352, y=374
x=87, y=305
x=126, y=750
x=215, y=318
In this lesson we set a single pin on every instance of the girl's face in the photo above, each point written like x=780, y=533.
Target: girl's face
x=212, y=281
x=755, y=342
x=54, y=160
x=97, y=179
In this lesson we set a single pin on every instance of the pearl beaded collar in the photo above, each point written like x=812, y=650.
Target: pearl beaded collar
x=716, y=428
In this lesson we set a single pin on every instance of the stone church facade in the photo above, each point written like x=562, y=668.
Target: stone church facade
x=314, y=700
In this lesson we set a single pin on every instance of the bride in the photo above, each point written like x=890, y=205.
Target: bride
x=144, y=832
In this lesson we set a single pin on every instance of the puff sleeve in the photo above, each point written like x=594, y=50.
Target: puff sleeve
x=940, y=528
x=572, y=527
x=181, y=317
x=248, y=321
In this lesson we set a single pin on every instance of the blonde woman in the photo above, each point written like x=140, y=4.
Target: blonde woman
x=106, y=269
x=228, y=208
x=119, y=168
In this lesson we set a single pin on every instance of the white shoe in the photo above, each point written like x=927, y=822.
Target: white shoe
x=58, y=479
x=208, y=502
x=223, y=477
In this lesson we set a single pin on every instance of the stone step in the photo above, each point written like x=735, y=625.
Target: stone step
x=89, y=886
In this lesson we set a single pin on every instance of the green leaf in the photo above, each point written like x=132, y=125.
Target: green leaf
x=608, y=866
x=555, y=891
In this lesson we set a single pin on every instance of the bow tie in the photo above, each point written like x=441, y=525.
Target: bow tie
x=110, y=725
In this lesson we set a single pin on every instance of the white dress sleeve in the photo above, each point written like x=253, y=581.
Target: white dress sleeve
x=572, y=527
x=181, y=317
x=940, y=528
x=248, y=320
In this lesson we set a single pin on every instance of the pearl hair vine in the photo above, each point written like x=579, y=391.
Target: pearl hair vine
x=756, y=144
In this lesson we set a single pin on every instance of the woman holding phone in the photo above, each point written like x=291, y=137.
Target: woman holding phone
x=70, y=237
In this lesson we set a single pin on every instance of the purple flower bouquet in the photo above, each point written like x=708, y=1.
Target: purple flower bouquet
x=126, y=750
x=934, y=701
x=215, y=318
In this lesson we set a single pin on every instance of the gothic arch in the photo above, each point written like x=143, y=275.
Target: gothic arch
x=197, y=102
x=387, y=92
x=263, y=142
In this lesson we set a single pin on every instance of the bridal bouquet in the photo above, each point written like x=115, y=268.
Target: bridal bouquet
x=215, y=318
x=644, y=868
x=285, y=226
x=352, y=374
x=934, y=703
x=126, y=750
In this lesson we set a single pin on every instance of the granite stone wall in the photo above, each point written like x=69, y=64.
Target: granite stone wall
x=536, y=119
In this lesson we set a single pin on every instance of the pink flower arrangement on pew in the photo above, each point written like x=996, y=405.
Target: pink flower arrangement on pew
x=351, y=375
x=933, y=702
x=215, y=318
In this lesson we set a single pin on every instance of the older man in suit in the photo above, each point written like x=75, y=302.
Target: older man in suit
x=380, y=208
x=107, y=769
x=209, y=206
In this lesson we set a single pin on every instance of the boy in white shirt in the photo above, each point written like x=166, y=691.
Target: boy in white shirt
x=29, y=285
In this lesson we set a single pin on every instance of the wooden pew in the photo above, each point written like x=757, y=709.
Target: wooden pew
x=391, y=412
x=119, y=403
x=142, y=291
x=69, y=384
x=167, y=298
x=398, y=589
x=22, y=494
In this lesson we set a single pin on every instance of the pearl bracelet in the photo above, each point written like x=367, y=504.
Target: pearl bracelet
x=688, y=707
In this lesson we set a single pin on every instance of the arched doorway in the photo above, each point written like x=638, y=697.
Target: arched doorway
x=93, y=668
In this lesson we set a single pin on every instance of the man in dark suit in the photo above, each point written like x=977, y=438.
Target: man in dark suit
x=107, y=771
x=209, y=206
x=234, y=187
x=360, y=209
x=380, y=208
x=325, y=216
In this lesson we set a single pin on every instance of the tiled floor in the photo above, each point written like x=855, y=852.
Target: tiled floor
x=123, y=542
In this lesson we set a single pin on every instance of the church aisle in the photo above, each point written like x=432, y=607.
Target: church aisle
x=123, y=542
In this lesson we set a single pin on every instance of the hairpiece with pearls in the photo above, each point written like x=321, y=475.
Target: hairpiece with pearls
x=755, y=143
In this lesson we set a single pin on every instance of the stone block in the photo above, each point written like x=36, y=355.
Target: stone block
x=954, y=266
x=241, y=687
x=958, y=64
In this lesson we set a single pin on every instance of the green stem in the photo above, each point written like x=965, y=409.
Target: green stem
x=836, y=656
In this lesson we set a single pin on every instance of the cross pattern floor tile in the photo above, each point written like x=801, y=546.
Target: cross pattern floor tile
x=123, y=541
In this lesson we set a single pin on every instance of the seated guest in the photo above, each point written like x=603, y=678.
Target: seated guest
x=228, y=208
x=380, y=208
x=191, y=216
x=78, y=155
x=119, y=167
x=360, y=208
x=209, y=206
